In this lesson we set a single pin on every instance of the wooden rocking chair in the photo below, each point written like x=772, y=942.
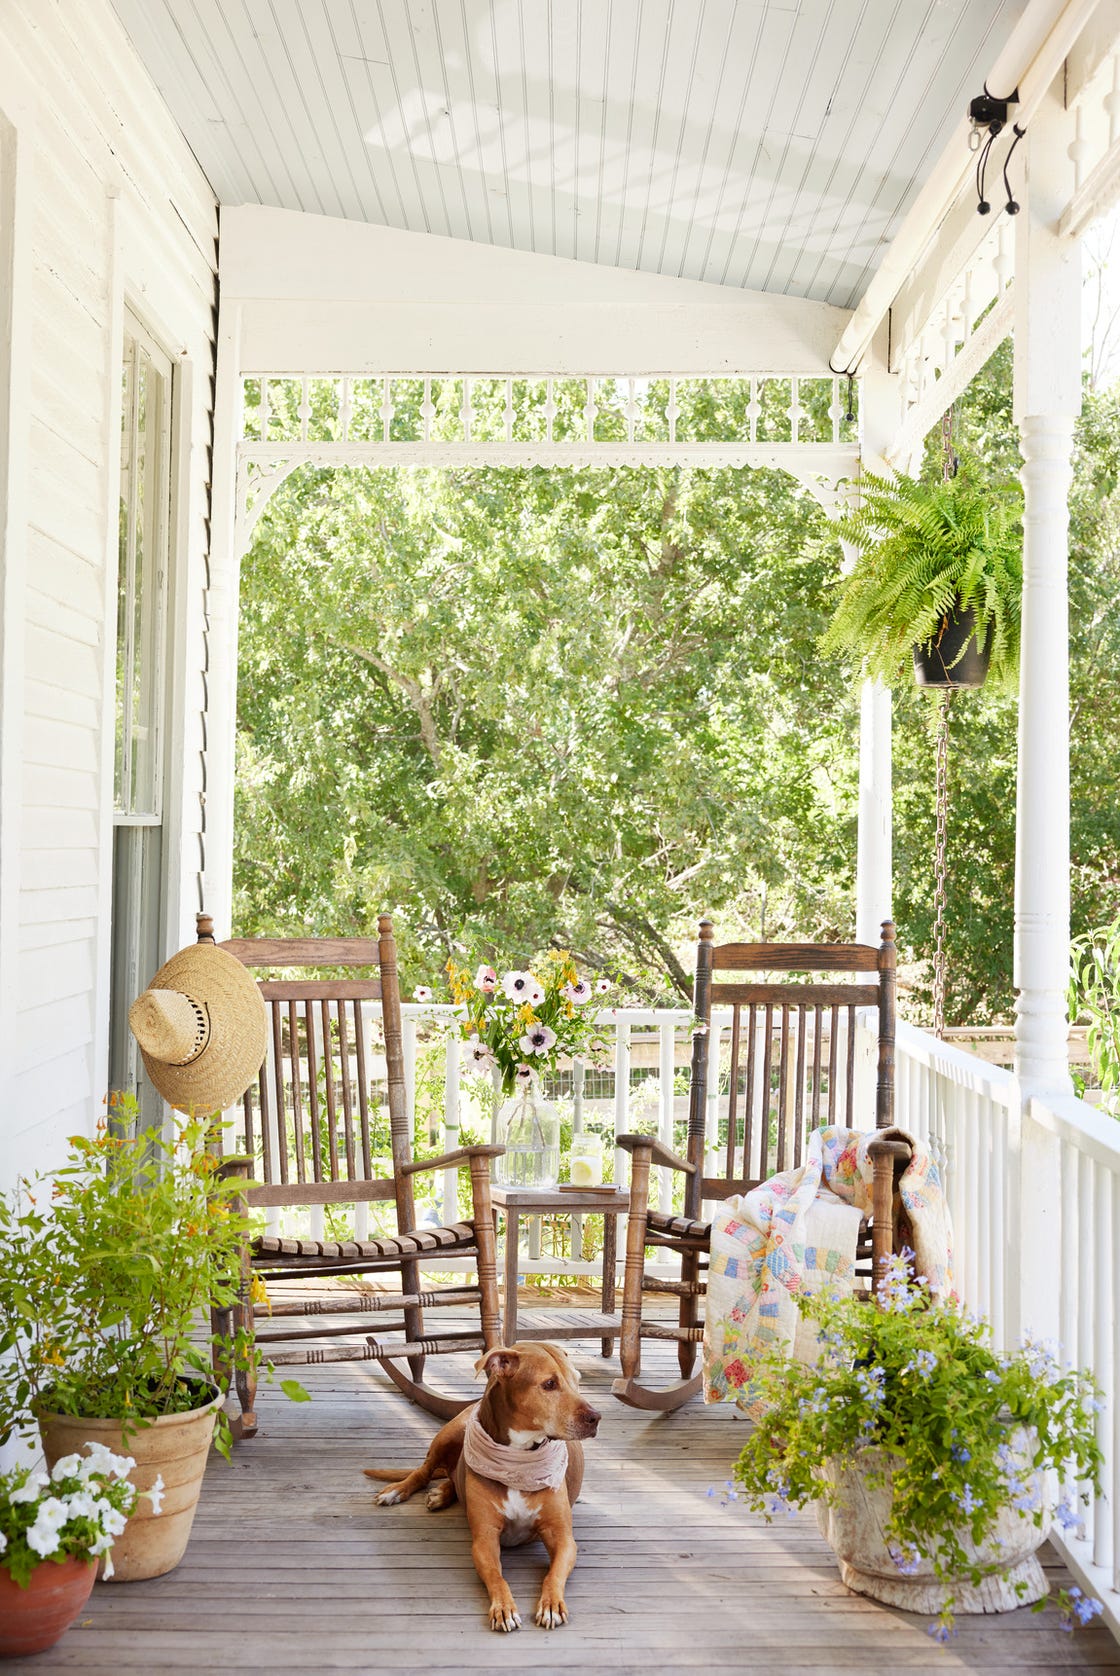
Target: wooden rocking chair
x=810, y=1080
x=307, y=1139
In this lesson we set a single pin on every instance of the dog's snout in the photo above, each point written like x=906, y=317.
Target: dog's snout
x=588, y=1419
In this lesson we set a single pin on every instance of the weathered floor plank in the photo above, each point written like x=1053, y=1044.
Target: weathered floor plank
x=291, y=1567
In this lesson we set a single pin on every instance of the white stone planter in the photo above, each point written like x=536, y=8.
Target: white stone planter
x=854, y=1526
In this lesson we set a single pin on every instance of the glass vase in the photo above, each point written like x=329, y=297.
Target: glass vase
x=529, y=1129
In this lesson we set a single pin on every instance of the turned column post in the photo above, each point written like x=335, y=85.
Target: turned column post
x=1048, y=285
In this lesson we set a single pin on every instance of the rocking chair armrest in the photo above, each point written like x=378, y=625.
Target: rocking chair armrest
x=889, y=1146
x=659, y=1153
x=234, y=1165
x=461, y=1155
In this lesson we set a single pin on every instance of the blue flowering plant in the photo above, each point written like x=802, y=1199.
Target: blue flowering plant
x=911, y=1392
x=74, y=1512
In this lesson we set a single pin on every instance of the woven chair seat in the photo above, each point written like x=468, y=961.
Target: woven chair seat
x=457, y=1236
x=679, y=1227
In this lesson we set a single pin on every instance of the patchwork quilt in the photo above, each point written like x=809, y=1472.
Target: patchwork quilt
x=796, y=1234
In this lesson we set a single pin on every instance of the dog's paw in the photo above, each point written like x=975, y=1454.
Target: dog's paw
x=440, y=1495
x=389, y=1497
x=551, y=1611
x=504, y=1616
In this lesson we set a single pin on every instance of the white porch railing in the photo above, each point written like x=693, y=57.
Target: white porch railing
x=1034, y=1192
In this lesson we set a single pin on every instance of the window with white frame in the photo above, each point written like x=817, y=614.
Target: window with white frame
x=144, y=512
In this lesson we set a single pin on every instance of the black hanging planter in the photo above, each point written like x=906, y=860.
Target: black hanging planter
x=955, y=657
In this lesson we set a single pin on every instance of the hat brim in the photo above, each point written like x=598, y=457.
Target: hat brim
x=238, y=1041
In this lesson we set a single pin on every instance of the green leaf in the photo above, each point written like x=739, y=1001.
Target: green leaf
x=294, y=1391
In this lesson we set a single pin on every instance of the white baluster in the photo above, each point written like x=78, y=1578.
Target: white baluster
x=1112, y=103
x=386, y=410
x=1086, y=1293
x=1105, y=1254
x=409, y=1045
x=451, y=1128
x=509, y=409
x=1078, y=148
x=345, y=410
x=549, y=409
x=304, y=410
x=621, y=1097
x=672, y=410
x=427, y=410
x=667, y=1038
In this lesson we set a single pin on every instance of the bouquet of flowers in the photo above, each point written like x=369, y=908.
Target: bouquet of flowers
x=77, y=1510
x=521, y=1023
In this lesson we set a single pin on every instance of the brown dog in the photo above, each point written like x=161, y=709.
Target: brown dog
x=524, y=1430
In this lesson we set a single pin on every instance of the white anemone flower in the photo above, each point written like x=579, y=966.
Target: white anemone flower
x=479, y=1056
x=577, y=993
x=421, y=993
x=602, y=985
x=535, y=995
x=486, y=979
x=524, y=1073
x=518, y=985
x=537, y=1039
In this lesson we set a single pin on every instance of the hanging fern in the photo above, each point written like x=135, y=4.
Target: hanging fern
x=926, y=550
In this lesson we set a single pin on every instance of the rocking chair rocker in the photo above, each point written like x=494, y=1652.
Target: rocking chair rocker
x=307, y=1140
x=769, y=1114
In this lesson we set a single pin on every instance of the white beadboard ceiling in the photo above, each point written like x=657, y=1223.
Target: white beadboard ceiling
x=767, y=144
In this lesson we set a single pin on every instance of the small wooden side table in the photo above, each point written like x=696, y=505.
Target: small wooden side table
x=517, y=1202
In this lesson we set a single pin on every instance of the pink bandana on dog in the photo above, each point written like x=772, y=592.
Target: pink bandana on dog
x=517, y=1469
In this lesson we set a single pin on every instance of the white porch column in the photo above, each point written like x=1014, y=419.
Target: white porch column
x=1047, y=399
x=879, y=422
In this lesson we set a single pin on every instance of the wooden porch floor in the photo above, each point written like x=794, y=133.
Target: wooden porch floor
x=292, y=1568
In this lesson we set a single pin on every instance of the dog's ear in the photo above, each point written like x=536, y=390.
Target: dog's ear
x=560, y=1355
x=498, y=1363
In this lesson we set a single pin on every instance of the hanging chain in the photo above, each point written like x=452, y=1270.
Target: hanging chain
x=941, y=795
x=940, y=865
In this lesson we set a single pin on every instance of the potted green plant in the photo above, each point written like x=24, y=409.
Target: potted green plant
x=928, y=1454
x=54, y=1530
x=937, y=578
x=107, y=1268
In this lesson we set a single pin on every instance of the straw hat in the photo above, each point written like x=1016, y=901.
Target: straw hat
x=202, y=1028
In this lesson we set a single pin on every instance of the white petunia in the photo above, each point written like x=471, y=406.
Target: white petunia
x=156, y=1494
x=537, y=1039
x=3, y=1542
x=43, y=1537
x=82, y=1505
x=36, y=1482
x=108, y=1568
x=100, y=1458
x=67, y=1466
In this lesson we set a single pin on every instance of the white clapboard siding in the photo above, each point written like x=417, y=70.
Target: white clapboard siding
x=121, y=212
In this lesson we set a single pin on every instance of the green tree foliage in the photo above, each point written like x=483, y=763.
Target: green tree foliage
x=523, y=708
x=584, y=707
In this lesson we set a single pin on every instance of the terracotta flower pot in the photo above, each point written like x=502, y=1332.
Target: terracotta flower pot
x=34, y=1618
x=175, y=1448
x=854, y=1527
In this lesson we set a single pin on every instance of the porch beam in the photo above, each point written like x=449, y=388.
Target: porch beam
x=1047, y=400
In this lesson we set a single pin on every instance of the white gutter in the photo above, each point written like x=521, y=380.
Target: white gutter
x=1031, y=59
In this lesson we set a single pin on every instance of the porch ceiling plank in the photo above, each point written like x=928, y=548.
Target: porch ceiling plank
x=743, y=144
x=326, y=1581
